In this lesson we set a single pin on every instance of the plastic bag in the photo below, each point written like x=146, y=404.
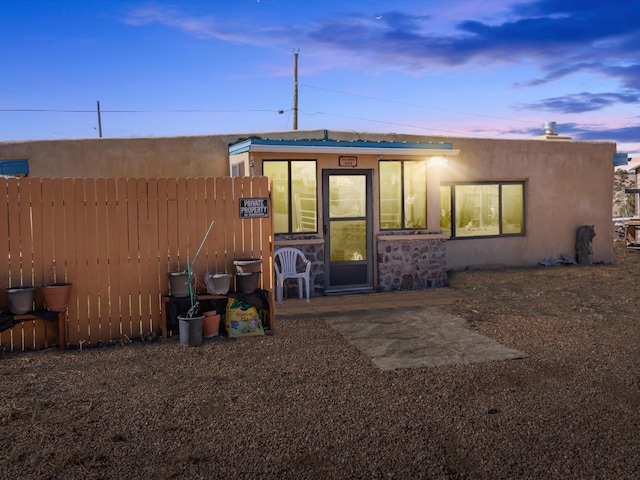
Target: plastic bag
x=242, y=320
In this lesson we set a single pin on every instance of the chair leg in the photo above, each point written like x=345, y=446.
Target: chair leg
x=279, y=288
x=300, y=287
x=307, y=284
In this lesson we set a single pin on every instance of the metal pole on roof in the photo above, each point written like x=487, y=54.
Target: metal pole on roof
x=295, y=89
x=99, y=121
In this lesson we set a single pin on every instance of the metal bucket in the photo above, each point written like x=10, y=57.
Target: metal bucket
x=247, y=265
x=247, y=282
x=20, y=299
x=218, y=283
x=190, y=331
x=178, y=283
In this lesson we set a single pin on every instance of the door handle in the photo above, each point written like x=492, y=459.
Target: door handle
x=324, y=229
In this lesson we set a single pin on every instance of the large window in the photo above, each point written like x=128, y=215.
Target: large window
x=403, y=194
x=482, y=210
x=294, y=193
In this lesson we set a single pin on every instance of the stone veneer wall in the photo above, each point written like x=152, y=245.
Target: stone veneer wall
x=315, y=254
x=412, y=263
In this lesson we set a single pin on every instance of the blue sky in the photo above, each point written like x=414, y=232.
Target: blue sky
x=496, y=68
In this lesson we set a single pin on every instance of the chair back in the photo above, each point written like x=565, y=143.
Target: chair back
x=288, y=258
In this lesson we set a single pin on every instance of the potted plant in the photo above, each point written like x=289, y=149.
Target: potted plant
x=190, y=325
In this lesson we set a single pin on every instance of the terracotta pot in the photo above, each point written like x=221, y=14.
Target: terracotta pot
x=211, y=324
x=56, y=296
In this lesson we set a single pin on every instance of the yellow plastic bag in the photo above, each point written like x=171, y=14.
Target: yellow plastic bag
x=242, y=320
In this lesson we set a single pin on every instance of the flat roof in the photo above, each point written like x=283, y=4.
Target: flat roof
x=342, y=146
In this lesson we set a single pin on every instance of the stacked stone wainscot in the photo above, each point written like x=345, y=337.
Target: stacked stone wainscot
x=412, y=262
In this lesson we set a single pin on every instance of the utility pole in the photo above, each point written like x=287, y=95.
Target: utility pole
x=99, y=121
x=295, y=89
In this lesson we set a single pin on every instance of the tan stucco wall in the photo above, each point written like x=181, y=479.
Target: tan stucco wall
x=131, y=157
x=206, y=155
x=568, y=183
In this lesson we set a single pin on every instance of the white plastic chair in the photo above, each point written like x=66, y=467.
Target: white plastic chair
x=285, y=262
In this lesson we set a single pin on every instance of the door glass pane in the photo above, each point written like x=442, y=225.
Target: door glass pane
x=348, y=240
x=512, y=209
x=415, y=194
x=445, y=209
x=390, y=195
x=348, y=196
x=303, y=189
x=477, y=210
x=279, y=174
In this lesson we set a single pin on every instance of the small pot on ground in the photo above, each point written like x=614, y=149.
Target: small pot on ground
x=190, y=330
x=211, y=324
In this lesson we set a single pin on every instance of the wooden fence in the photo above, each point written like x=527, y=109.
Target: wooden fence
x=115, y=240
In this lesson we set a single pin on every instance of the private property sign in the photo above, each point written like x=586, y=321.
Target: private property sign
x=254, y=208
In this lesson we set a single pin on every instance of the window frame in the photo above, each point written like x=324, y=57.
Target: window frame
x=290, y=199
x=500, y=184
x=403, y=200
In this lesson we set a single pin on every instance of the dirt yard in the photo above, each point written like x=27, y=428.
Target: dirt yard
x=305, y=404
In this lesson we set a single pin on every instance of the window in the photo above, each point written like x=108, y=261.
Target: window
x=17, y=168
x=482, y=210
x=403, y=194
x=237, y=170
x=294, y=193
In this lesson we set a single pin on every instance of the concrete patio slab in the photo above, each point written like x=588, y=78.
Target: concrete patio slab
x=417, y=337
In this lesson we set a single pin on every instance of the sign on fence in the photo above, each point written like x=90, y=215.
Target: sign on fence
x=254, y=208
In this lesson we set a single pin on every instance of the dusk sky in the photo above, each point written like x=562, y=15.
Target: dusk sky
x=492, y=69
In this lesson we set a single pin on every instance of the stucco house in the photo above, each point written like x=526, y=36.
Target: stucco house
x=383, y=211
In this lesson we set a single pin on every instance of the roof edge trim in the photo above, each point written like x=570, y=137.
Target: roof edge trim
x=359, y=147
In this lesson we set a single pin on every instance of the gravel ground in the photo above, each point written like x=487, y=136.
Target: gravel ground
x=305, y=404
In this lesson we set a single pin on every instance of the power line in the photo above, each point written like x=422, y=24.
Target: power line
x=417, y=105
x=294, y=110
x=419, y=127
x=279, y=111
x=40, y=110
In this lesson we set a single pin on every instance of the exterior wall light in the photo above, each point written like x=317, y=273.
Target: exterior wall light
x=438, y=162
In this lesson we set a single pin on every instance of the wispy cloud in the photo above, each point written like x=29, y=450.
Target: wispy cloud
x=199, y=26
x=584, y=102
x=621, y=135
x=559, y=37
